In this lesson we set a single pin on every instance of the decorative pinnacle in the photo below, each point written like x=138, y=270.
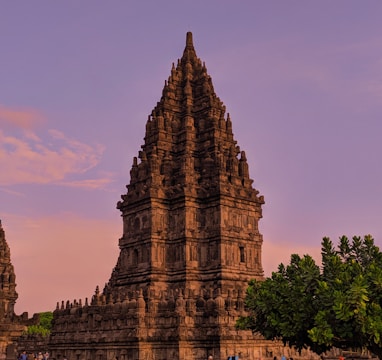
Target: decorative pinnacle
x=189, y=42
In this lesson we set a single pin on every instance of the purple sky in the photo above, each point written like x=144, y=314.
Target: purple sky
x=302, y=81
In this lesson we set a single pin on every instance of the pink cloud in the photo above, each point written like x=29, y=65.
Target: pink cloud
x=11, y=192
x=27, y=159
x=21, y=118
x=93, y=184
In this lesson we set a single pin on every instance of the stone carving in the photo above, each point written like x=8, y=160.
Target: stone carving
x=11, y=325
x=190, y=241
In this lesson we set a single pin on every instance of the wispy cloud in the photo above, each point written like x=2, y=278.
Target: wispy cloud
x=21, y=118
x=26, y=158
x=11, y=192
x=92, y=184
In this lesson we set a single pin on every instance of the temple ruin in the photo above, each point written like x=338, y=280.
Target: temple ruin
x=190, y=242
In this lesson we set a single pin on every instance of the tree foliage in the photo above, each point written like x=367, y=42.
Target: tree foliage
x=337, y=305
x=44, y=325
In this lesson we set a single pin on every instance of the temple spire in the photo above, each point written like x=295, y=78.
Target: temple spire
x=189, y=42
x=189, y=53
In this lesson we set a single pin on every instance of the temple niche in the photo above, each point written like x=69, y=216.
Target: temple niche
x=190, y=241
x=11, y=325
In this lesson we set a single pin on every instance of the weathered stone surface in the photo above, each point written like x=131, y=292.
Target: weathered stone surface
x=190, y=241
x=11, y=325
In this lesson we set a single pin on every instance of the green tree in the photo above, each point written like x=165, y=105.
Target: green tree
x=337, y=305
x=44, y=325
x=46, y=320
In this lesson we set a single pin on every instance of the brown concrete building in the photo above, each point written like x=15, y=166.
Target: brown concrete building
x=190, y=241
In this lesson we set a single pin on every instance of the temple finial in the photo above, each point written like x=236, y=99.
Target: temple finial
x=189, y=42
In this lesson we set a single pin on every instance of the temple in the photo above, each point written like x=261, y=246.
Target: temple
x=11, y=325
x=190, y=241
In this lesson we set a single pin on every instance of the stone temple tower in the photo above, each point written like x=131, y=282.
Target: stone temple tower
x=8, y=294
x=190, y=241
x=11, y=325
x=190, y=214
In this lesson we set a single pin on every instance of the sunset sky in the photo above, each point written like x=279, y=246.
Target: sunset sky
x=302, y=81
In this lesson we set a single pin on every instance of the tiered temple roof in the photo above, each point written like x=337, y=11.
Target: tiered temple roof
x=11, y=325
x=190, y=240
x=8, y=294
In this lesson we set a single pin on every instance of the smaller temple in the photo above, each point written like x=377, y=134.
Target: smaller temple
x=11, y=325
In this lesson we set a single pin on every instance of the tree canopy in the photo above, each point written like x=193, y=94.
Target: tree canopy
x=44, y=325
x=337, y=304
